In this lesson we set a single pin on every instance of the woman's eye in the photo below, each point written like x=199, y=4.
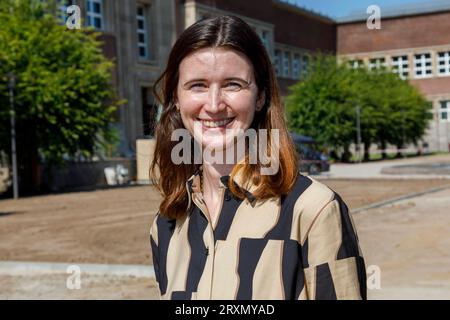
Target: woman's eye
x=197, y=86
x=233, y=85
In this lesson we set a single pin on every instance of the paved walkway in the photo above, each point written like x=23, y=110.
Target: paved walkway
x=373, y=169
x=38, y=280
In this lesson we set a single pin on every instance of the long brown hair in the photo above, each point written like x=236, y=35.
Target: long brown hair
x=233, y=33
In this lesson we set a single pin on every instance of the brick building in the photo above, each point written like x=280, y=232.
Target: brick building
x=415, y=43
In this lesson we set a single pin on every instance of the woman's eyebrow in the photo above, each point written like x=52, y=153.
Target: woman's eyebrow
x=226, y=79
x=194, y=80
x=238, y=79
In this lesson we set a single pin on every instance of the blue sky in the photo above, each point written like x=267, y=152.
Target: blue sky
x=342, y=8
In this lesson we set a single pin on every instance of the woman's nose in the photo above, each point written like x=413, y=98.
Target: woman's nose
x=215, y=101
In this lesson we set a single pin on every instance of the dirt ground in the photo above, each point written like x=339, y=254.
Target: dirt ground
x=112, y=226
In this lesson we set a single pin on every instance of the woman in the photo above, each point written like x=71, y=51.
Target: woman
x=226, y=229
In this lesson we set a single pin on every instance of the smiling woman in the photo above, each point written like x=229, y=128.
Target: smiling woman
x=228, y=230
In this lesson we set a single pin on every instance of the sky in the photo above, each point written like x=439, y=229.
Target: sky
x=343, y=8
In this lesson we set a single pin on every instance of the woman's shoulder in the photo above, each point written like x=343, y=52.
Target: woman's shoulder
x=309, y=196
x=309, y=189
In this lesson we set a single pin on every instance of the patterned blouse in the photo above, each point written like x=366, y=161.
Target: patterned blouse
x=302, y=245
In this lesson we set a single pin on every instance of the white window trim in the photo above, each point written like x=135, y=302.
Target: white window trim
x=423, y=67
x=144, y=31
x=401, y=66
x=446, y=109
x=377, y=63
x=446, y=66
x=91, y=14
x=356, y=63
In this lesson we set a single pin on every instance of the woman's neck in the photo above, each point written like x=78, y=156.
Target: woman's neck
x=212, y=171
x=212, y=174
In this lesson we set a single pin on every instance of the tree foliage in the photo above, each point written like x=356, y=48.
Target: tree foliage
x=64, y=102
x=323, y=106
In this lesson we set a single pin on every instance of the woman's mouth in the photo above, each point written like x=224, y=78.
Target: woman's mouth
x=222, y=123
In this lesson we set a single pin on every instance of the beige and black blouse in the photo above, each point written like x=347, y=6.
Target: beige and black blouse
x=300, y=246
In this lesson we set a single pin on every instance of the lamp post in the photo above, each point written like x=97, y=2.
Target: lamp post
x=358, y=132
x=11, y=87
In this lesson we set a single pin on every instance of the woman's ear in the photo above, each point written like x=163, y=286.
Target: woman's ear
x=261, y=100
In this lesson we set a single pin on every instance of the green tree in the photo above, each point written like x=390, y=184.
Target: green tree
x=323, y=106
x=65, y=103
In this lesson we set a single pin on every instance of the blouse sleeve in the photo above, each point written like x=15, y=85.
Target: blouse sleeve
x=332, y=260
x=155, y=251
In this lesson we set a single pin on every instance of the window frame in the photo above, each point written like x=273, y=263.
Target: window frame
x=145, y=32
x=264, y=35
x=377, y=63
x=286, y=63
x=423, y=68
x=444, y=107
x=277, y=62
x=398, y=67
x=356, y=63
x=446, y=63
x=91, y=15
x=296, y=58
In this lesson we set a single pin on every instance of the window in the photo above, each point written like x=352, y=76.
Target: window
x=296, y=66
x=444, y=111
x=304, y=65
x=62, y=6
x=264, y=35
x=355, y=64
x=142, y=32
x=400, y=66
x=443, y=62
x=149, y=112
x=377, y=63
x=286, y=63
x=95, y=13
x=277, y=62
x=422, y=65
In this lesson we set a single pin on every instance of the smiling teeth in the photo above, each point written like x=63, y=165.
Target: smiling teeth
x=214, y=124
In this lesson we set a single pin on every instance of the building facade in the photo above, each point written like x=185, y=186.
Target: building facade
x=138, y=35
x=415, y=44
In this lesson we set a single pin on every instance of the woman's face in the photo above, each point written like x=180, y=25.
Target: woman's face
x=217, y=95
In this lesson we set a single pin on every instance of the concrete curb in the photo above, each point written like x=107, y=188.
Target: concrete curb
x=383, y=177
x=19, y=268
x=391, y=201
